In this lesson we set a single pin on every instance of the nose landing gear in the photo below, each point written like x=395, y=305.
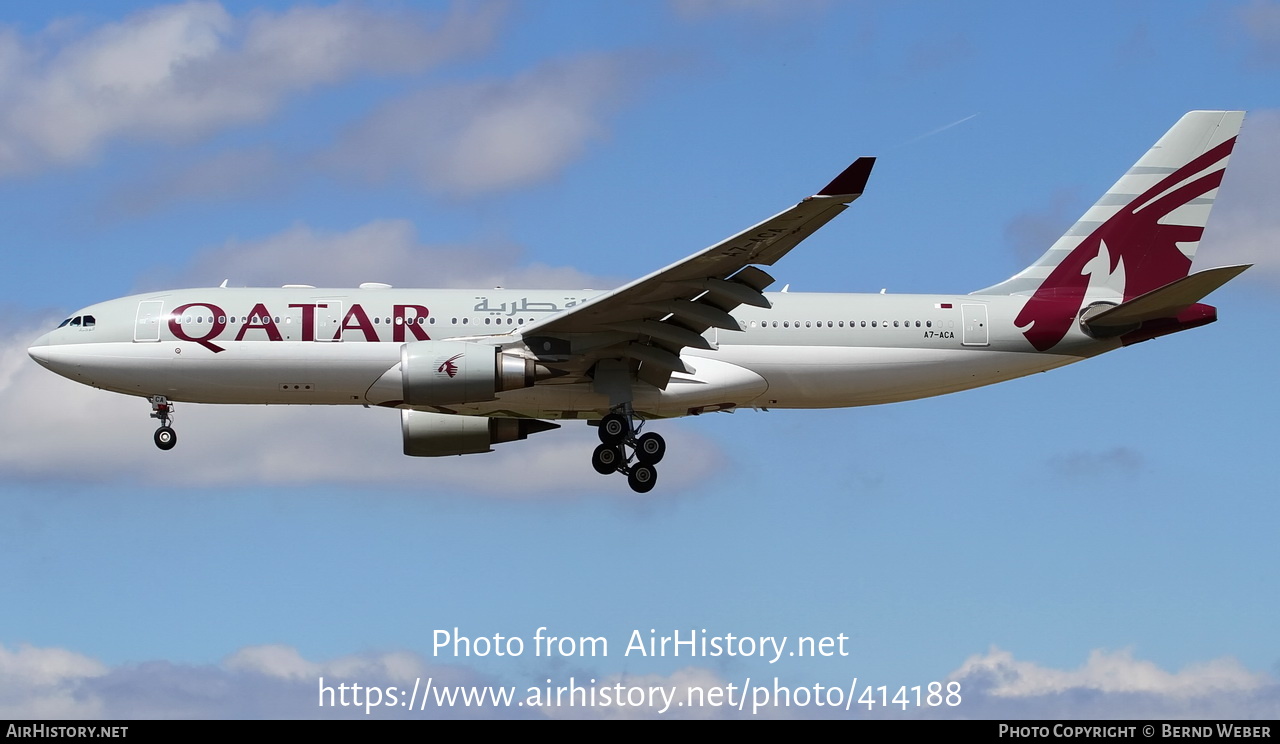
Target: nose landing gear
x=624, y=450
x=162, y=410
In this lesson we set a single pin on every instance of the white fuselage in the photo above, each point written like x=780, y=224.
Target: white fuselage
x=323, y=346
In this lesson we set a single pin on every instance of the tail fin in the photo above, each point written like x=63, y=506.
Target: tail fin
x=1140, y=236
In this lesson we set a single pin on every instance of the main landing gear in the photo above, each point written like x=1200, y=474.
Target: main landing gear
x=624, y=450
x=162, y=410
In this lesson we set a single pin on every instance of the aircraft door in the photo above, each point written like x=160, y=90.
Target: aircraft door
x=147, y=325
x=974, y=318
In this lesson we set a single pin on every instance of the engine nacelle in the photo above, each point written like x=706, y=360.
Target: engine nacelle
x=443, y=373
x=440, y=434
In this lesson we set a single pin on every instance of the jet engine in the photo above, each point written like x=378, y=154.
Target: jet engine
x=442, y=373
x=439, y=434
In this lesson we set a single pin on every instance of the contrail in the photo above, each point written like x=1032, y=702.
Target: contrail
x=940, y=129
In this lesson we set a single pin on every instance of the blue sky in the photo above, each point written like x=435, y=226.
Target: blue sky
x=1095, y=541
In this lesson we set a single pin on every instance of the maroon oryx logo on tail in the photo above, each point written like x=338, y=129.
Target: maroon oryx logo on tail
x=1134, y=237
x=448, y=367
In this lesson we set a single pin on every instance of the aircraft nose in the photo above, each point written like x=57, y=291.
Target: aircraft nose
x=39, y=350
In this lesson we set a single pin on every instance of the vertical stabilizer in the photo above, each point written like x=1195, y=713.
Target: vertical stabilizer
x=1140, y=236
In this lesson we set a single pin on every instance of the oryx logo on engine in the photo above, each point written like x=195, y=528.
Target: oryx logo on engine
x=448, y=367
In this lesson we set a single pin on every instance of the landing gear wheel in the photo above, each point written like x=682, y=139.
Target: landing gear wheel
x=166, y=437
x=607, y=459
x=650, y=448
x=624, y=450
x=614, y=429
x=642, y=478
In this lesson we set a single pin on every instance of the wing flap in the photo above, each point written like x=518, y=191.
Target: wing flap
x=730, y=291
x=664, y=331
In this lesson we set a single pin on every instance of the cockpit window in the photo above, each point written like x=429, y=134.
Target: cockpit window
x=80, y=321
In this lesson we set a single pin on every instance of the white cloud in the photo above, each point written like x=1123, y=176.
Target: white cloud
x=1260, y=20
x=175, y=72
x=484, y=136
x=382, y=250
x=256, y=172
x=285, y=662
x=44, y=667
x=1108, y=671
x=40, y=683
x=278, y=681
x=254, y=682
x=1112, y=685
x=460, y=140
x=1245, y=225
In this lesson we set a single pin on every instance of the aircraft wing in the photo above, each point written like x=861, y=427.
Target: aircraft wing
x=649, y=320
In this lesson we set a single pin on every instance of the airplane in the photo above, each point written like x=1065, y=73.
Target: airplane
x=470, y=369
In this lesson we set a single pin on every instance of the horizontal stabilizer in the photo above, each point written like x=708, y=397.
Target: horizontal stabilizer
x=1167, y=301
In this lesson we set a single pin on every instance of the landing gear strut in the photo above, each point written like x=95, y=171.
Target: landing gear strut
x=624, y=450
x=162, y=410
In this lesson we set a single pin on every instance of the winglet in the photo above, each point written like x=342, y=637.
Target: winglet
x=852, y=181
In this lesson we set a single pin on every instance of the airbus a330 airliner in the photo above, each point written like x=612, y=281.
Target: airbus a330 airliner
x=471, y=369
